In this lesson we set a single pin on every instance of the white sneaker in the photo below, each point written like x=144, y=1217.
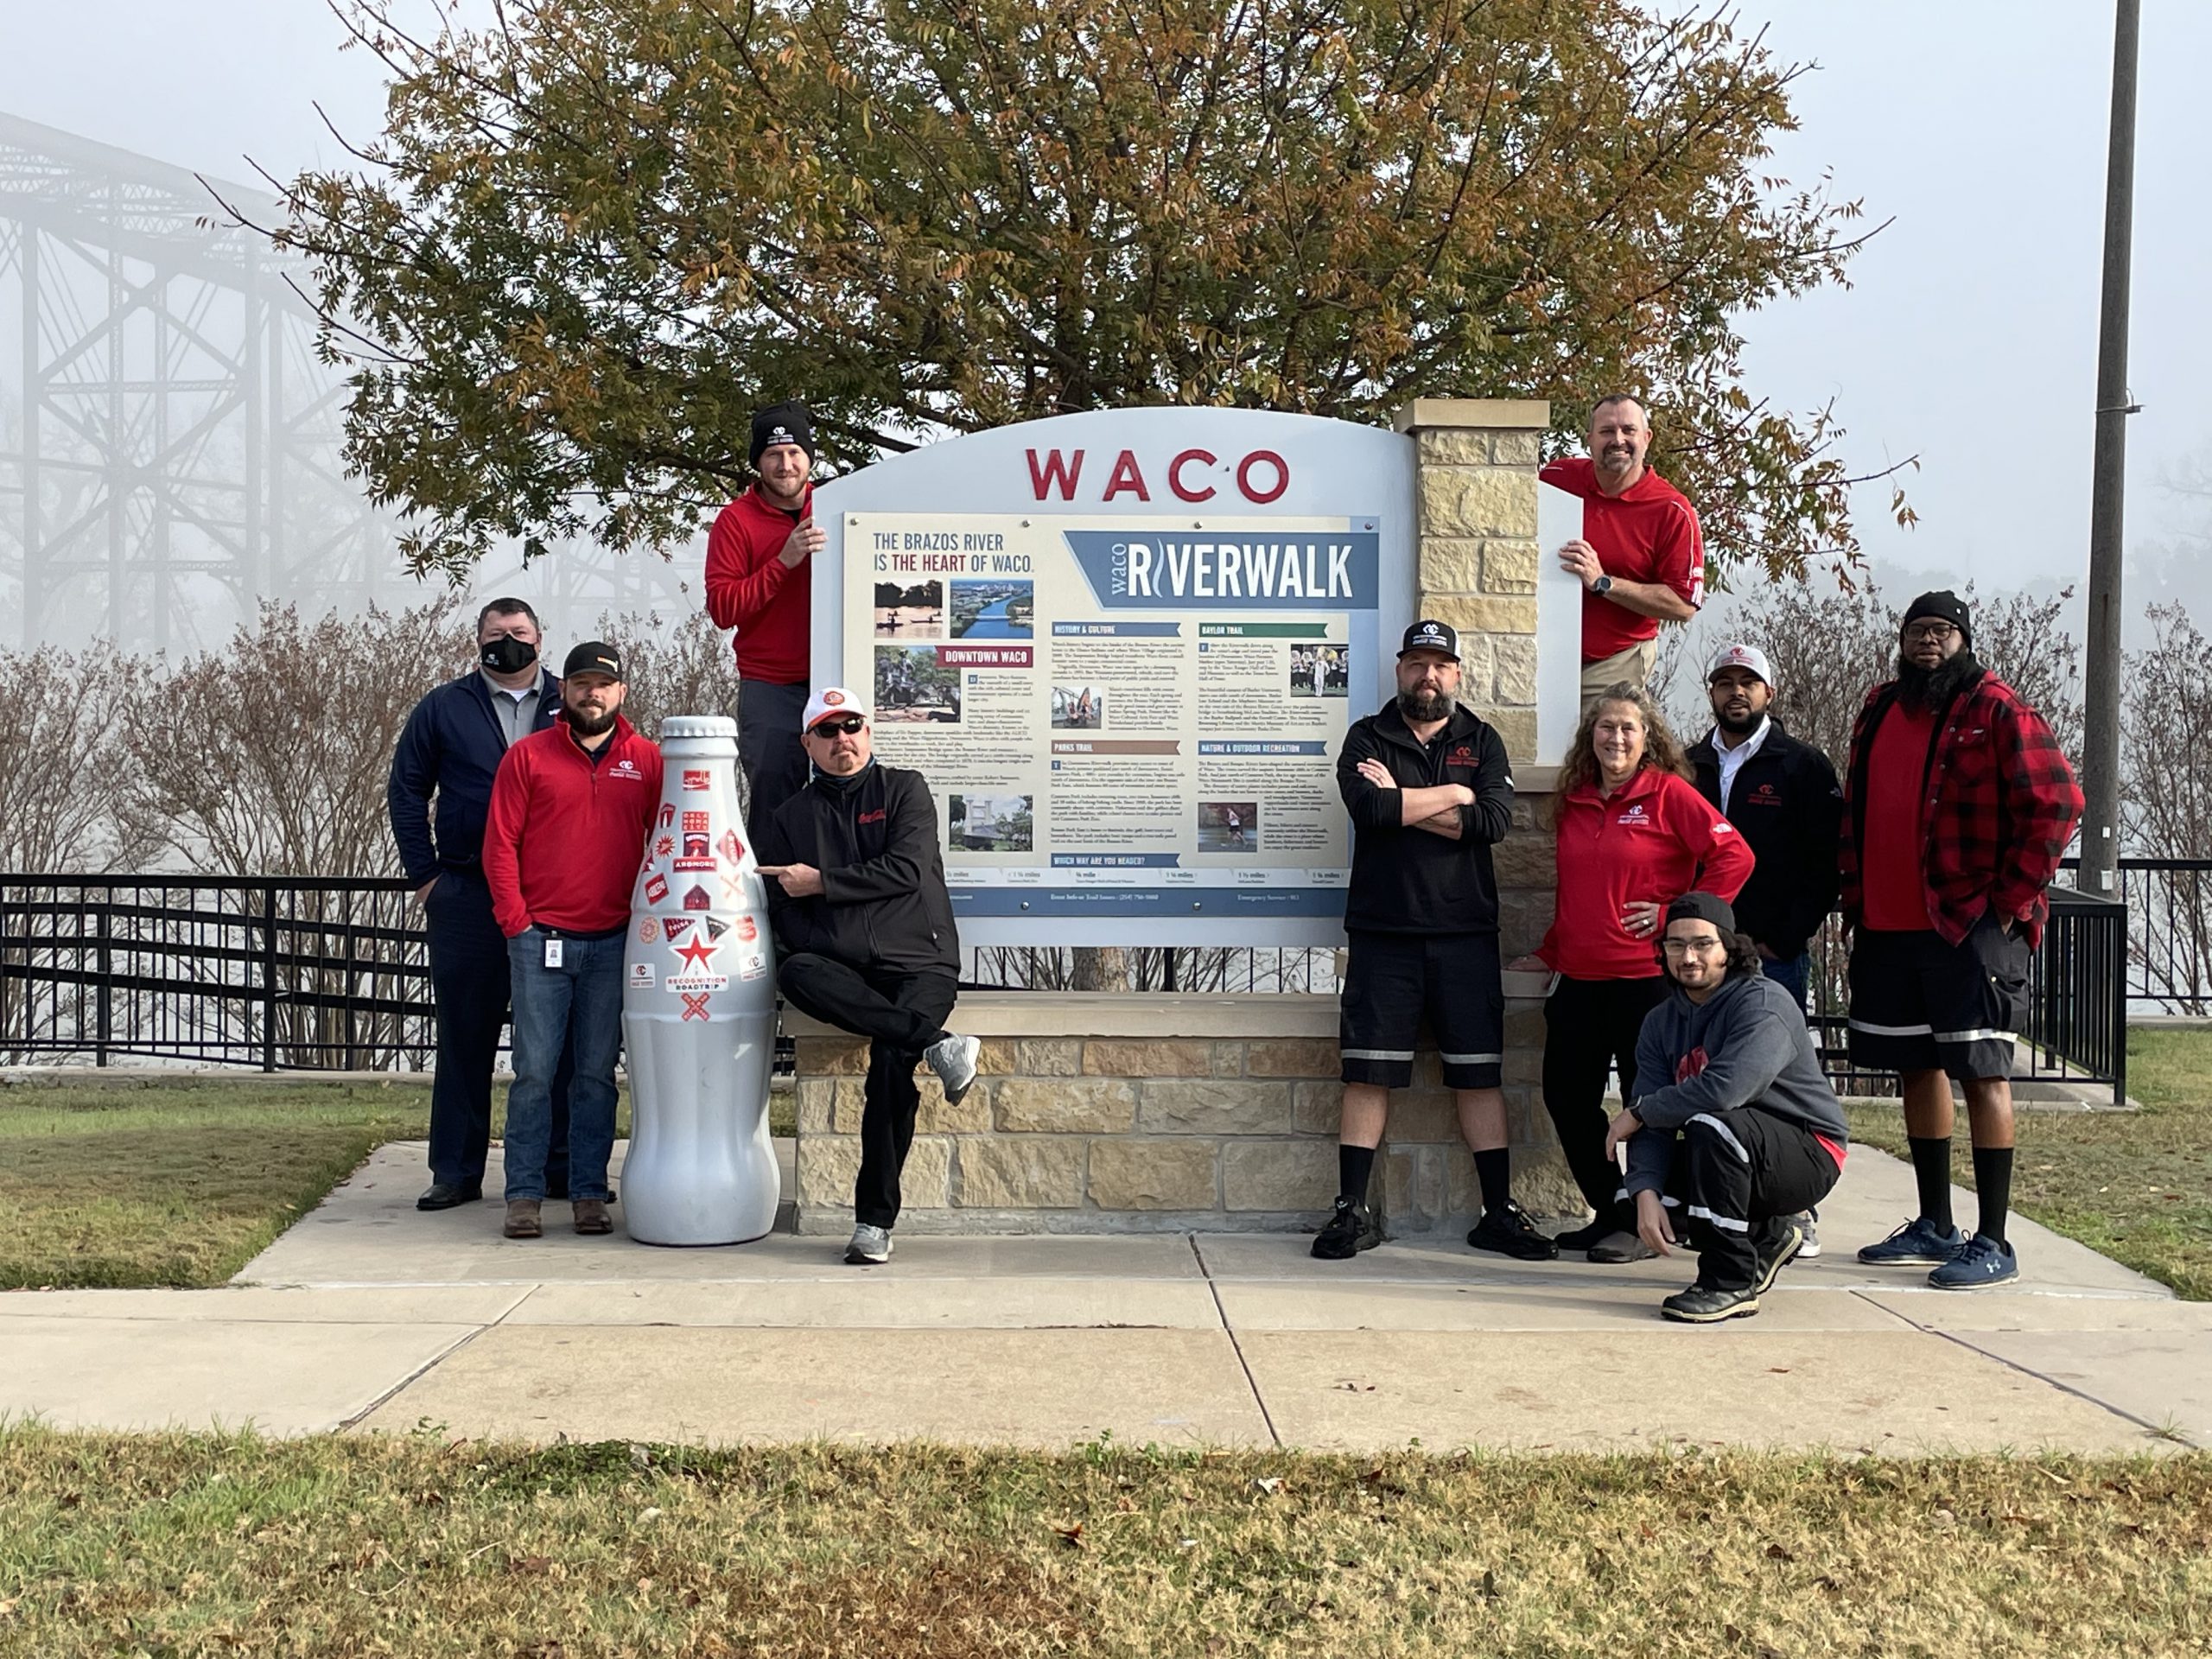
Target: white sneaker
x=870, y=1245
x=1810, y=1229
x=953, y=1059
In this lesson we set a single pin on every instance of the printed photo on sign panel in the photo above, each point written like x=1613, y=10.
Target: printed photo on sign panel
x=1078, y=707
x=1229, y=826
x=912, y=686
x=989, y=823
x=910, y=613
x=994, y=609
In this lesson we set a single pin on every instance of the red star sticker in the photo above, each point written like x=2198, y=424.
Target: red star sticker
x=698, y=952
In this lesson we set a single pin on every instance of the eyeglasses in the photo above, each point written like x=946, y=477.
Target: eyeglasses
x=849, y=725
x=1683, y=947
x=1921, y=632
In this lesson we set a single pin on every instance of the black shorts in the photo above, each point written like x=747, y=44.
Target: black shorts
x=1920, y=1003
x=1394, y=979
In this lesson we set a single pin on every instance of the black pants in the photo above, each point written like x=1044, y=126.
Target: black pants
x=1589, y=1028
x=1737, y=1177
x=469, y=981
x=900, y=1015
x=768, y=750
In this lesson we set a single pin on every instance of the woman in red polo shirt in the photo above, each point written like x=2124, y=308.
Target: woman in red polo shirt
x=1632, y=835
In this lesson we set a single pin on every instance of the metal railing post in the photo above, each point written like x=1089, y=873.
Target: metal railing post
x=268, y=974
x=103, y=981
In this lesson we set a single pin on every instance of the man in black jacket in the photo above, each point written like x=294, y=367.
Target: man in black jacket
x=865, y=940
x=1429, y=791
x=450, y=748
x=1782, y=797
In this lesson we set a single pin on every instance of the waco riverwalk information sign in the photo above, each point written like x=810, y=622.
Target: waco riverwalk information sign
x=1124, y=648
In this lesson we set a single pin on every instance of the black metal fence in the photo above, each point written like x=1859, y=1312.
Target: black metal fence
x=333, y=974
x=282, y=972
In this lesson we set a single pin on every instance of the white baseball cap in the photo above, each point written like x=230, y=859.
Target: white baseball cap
x=1738, y=655
x=831, y=700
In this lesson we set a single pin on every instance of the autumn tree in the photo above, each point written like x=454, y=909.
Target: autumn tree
x=593, y=235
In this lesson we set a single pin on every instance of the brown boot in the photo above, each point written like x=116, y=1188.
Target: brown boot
x=522, y=1219
x=591, y=1215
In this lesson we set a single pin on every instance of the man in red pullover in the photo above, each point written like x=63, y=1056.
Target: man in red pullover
x=759, y=580
x=571, y=806
x=1641, y=556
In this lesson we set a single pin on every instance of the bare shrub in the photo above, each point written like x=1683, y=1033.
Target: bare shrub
x=1828, y=638
x=684, y=670
x=2167, y=806
x=66, y=771
x=271, y=757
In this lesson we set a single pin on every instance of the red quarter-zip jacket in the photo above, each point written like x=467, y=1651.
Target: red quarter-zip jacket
x=753, y=590
x=1653, y=839
x=563, y=838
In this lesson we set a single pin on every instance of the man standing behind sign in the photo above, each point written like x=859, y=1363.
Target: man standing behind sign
x=1641, y=556
x=759, y=582
x=1430, y=792
x=865, y=938
x=570, y=810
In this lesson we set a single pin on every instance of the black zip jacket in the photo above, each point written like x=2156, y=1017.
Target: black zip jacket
x=883, y=902
x=1405, y=879
x=1788, y=808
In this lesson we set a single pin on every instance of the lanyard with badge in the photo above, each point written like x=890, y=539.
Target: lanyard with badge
x=553, y=952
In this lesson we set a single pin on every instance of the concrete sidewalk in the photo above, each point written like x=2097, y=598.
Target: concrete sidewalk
x=369, y=1316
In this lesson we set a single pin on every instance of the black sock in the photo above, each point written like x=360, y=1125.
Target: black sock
x=1992, y=1184
x=1931, y=1168
x=1353, y=1166
x=1494, y=1169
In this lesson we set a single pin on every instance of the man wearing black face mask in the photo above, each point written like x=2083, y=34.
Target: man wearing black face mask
x=1430, y=792
x=451, y=747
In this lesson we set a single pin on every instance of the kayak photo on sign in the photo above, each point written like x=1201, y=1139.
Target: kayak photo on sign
x=910, y=613
x=993, y=610
x=989, y=823
x=1229, y=826
x=1078, y=707
x=912, y=685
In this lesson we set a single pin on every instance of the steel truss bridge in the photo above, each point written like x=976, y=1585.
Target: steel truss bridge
x=170, y=439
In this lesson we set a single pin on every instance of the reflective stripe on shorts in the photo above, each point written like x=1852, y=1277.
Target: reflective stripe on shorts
x=1375, y=1054
x=1979, y=1035
x=1471, y=1059
x=1873, y=1030
x=1728, y=1224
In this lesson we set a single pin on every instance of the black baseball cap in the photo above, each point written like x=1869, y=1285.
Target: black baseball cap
x=1430, y=635
x=1703, y=907
x=593, y=656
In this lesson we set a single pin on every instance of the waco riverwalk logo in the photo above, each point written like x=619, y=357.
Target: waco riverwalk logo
x=1229, y=569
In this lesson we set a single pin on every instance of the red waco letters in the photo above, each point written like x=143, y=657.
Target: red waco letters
x=1262, y=476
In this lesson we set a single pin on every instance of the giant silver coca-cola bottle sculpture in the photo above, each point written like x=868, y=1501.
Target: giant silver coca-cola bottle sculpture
x=699, y=1008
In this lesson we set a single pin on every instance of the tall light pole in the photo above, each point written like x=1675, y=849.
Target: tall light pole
x=2108, y=485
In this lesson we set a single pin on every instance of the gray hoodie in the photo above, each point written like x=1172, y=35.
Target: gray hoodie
x=1746, y=1045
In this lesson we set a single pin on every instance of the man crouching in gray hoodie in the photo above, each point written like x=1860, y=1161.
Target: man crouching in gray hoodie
x=1744, y=1133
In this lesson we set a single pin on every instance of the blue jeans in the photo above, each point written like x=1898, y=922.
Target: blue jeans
x=580, y=1001
x=1791, y=975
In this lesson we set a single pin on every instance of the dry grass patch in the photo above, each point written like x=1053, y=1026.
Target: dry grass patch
x=192, y=1545
x=2136, y=1186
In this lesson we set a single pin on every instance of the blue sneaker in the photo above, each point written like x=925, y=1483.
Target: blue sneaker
x=1920, y=1242
x=1982, y=1262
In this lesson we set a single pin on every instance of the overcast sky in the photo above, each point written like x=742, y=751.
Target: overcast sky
x=1969, y=338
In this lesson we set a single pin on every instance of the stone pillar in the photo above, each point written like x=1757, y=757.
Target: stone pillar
x=1475, y=479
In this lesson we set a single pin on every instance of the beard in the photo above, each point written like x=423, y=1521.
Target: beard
x=1418, y=707
x=1931, y=688
x=588, y=725
x=1737, y=725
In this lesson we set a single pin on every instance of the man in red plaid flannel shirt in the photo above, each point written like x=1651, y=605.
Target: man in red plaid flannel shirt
x=1958, y=808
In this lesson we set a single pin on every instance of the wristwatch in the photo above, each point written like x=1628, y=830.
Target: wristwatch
x=1635, y=1110
x=1603, y=585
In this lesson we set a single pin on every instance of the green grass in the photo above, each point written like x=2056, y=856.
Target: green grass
x=2136, y=1186
x=183, y=1184
x=197, y=1545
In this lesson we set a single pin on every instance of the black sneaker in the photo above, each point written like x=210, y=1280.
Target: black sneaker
x=1784, y=1252
x=1350, y=1230
x=1581, y=1238
x=1507, y=1231
x=1703, y=1305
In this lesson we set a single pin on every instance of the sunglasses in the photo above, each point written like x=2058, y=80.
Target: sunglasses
x=849, y=725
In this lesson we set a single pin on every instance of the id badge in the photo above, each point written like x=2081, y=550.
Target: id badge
x=553, y=952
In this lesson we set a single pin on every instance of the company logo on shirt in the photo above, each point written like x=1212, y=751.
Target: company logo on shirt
x=1689, y=1065
x=1460, y=756
x=1635, y=815
x=628, y=768
x=876, y=816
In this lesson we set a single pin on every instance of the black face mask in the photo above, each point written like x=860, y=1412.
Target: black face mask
x=508, y=655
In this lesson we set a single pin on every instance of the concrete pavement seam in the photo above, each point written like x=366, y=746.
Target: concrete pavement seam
x=432, y=1363
x=2144, y=1424
x=1235, y=1347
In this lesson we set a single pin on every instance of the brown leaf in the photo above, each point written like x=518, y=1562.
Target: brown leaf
x=1072, y=1536
x=1777, y=1552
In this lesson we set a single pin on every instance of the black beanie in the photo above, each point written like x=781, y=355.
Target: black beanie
x=782, y=424
x=1703, y=907
x=1943, y=605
